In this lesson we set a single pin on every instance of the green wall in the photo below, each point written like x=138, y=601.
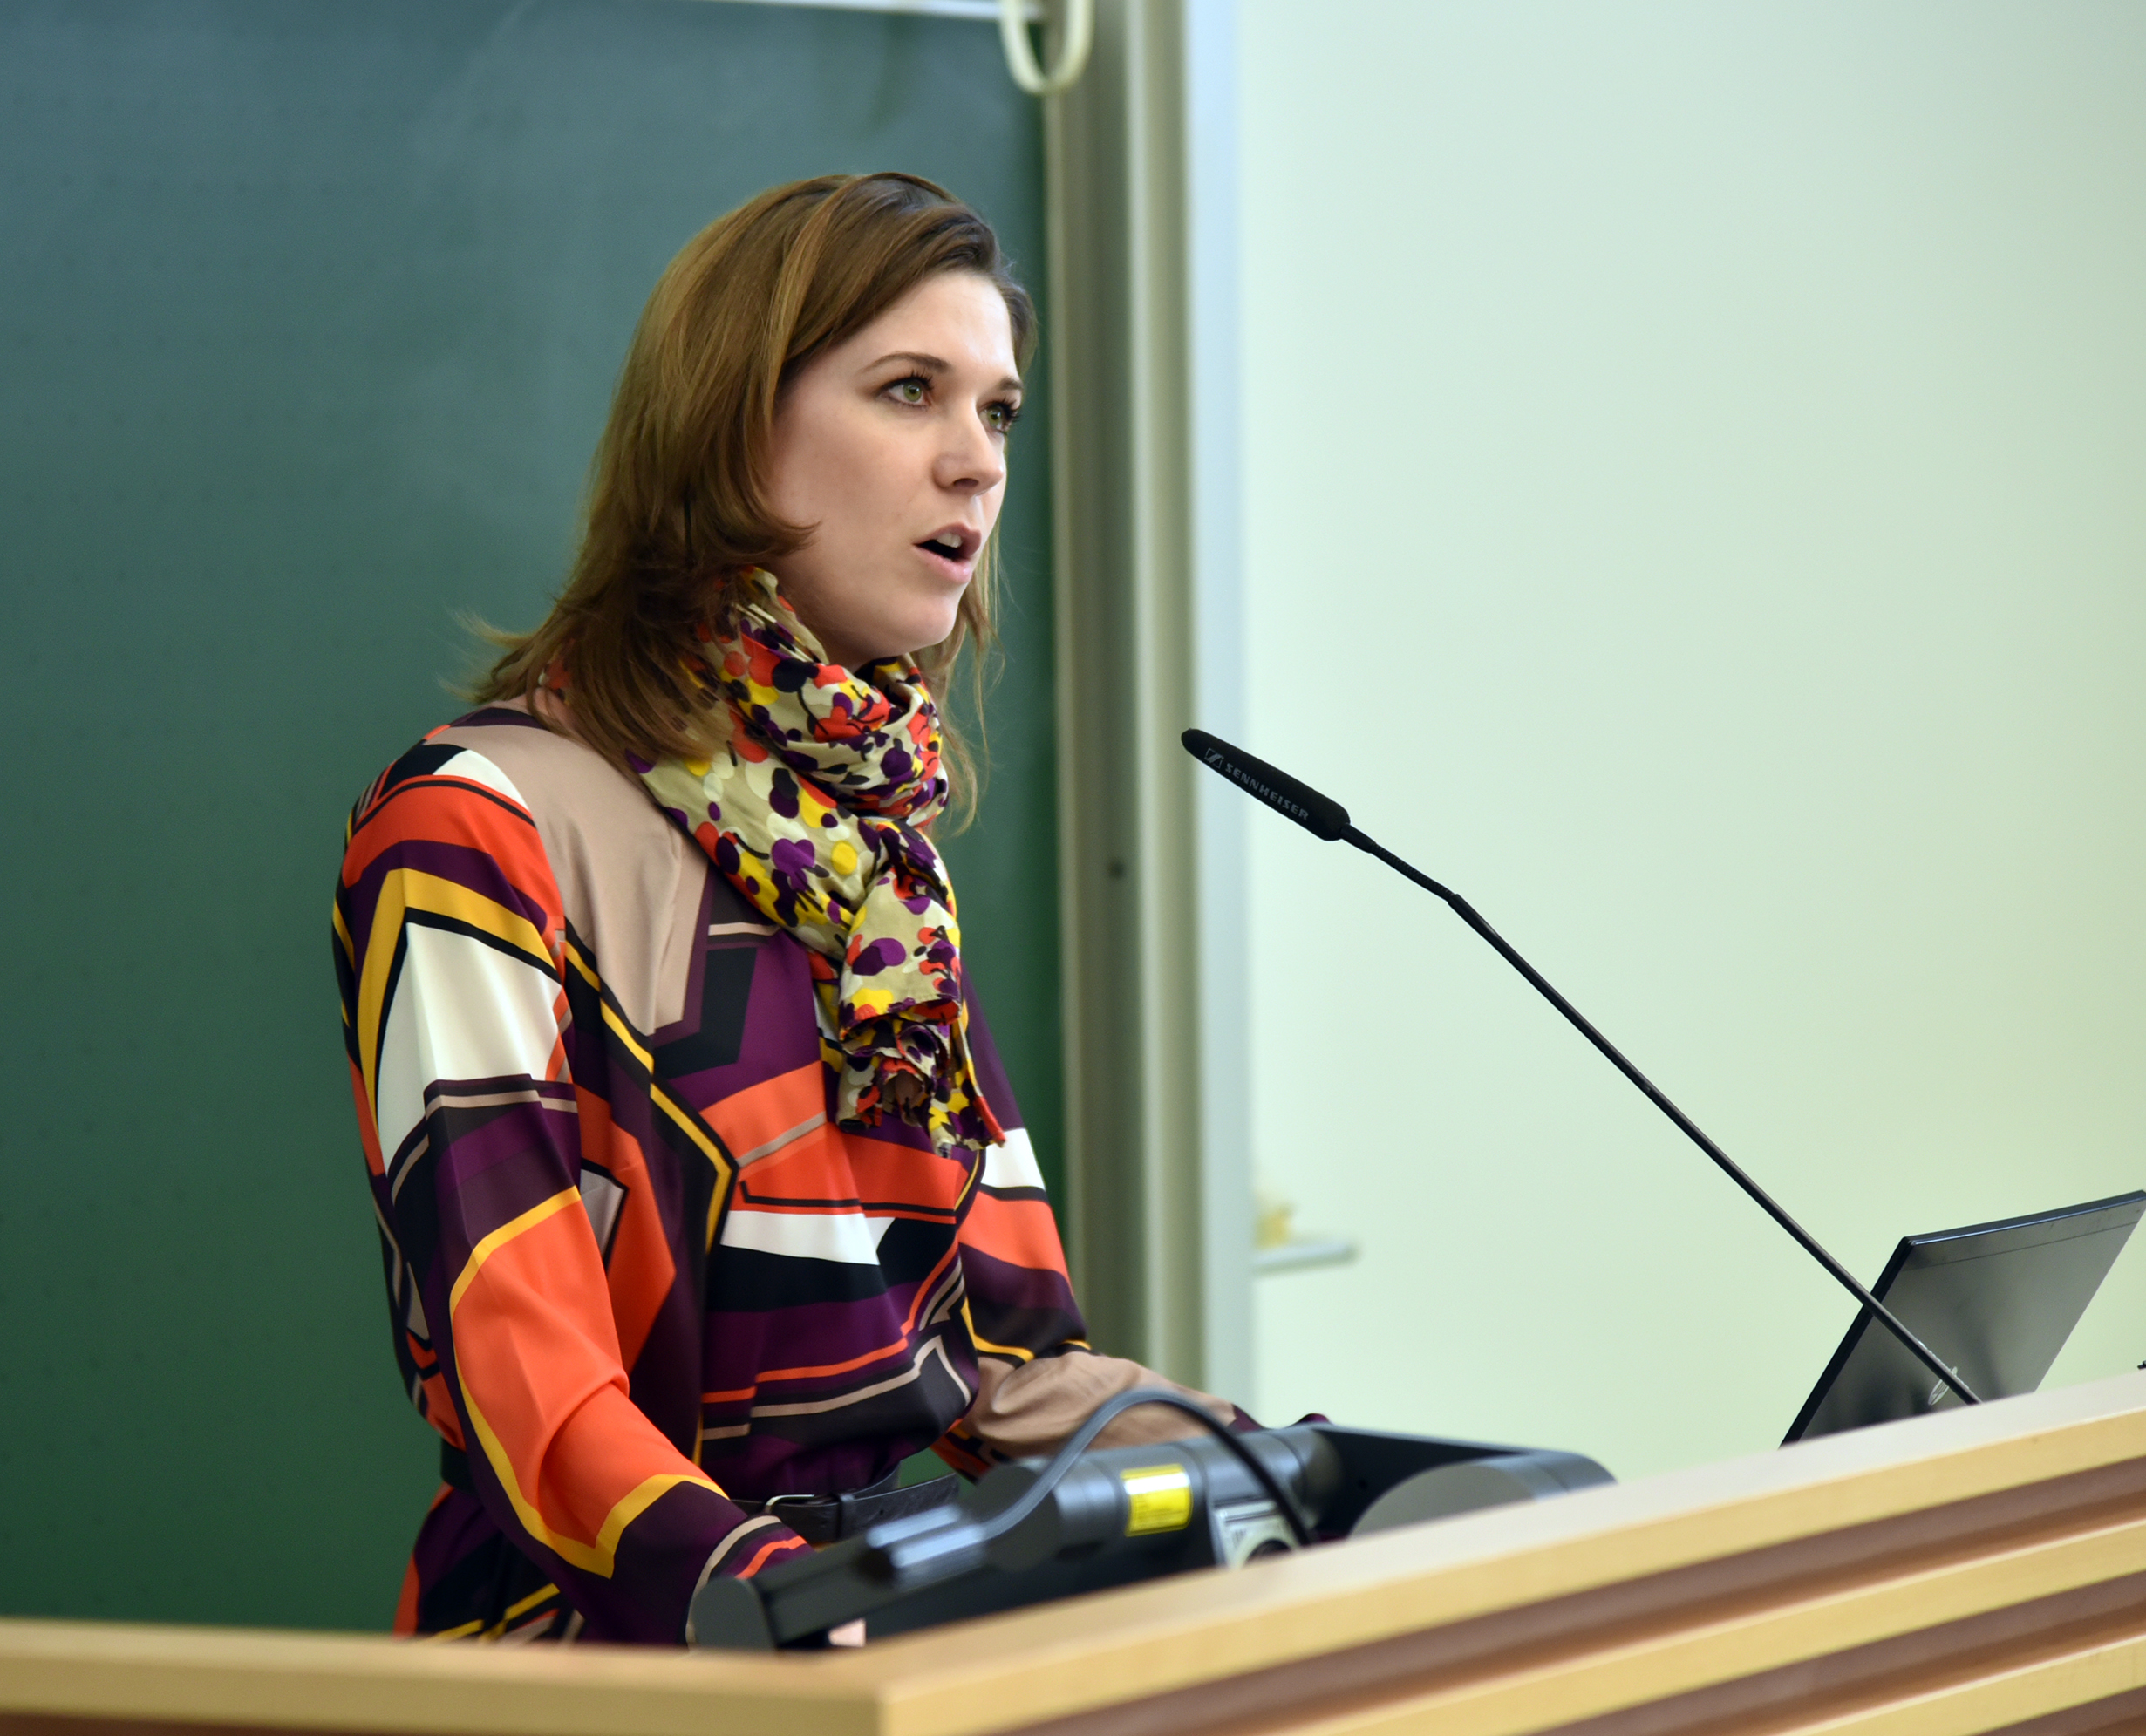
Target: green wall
x=307, y=320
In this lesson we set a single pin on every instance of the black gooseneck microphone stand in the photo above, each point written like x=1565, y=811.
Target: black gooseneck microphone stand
x=1326, y=818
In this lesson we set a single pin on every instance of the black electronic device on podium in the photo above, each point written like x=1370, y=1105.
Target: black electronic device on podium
x=1996, y=1300
x=1085, y=1521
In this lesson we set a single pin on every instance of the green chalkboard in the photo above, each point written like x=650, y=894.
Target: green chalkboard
x=309, y=315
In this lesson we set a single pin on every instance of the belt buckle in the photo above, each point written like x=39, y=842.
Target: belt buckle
x=819, y=1517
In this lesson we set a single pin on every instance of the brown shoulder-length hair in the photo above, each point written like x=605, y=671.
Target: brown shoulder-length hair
x=676, y=507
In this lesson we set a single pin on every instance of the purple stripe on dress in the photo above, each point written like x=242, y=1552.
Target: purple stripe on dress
x=1011, y=1286
x=458, y=862
x=812, y=1335
x=493, y=1173
x=776, y=1040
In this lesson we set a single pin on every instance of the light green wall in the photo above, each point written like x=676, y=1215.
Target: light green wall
x=1696, y=480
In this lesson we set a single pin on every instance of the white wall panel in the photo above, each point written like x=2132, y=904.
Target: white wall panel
x=1695, y=504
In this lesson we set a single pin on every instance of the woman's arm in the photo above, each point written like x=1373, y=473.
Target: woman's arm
x=1038, y=1378
x=450, y=943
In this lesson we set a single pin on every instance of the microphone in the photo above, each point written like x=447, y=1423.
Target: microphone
x=1326, y=818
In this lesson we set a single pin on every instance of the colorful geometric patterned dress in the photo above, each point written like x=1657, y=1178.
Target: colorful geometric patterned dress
x=631, y=1263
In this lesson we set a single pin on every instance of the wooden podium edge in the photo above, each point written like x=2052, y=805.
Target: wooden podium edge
x=1669, y=1590
x=1168, y=1636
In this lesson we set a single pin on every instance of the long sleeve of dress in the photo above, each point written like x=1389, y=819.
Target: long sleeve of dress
x=453, y=954
x=1038, y=1378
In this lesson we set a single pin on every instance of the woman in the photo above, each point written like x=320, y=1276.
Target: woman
x=705, y=1200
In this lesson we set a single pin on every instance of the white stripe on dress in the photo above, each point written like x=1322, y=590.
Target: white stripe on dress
x=849, y=1237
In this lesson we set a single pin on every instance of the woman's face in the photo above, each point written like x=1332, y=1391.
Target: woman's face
x=891, y=448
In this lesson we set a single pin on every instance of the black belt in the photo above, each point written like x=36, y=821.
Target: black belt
x=824, y=1519
x=818, y=1519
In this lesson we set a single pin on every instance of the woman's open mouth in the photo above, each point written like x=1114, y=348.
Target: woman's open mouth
x=953, y=549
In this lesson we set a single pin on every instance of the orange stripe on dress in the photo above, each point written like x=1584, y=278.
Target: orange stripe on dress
x=538, y=1356
x=406, y=1623
x=427, y=810
x=455, y=813
x=903, y=1175
x=1021, y=1232
x=870, y=1357
x=813, y=1166
x=641, y=1269
x=368, y=1135
x=761, y=1114
x=784, y=1545
x=830, y=1167
x=952, y=1453
x=440, y=1408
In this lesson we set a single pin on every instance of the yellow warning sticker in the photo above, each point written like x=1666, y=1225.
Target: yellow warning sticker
x=1158, y=1498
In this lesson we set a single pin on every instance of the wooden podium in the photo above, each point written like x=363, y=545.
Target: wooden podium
x=1975, y=1570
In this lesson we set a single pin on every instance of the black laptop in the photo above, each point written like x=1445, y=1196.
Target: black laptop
x=1995, y=1301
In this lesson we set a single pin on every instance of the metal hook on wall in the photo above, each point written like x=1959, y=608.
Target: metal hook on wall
x=1077, y=36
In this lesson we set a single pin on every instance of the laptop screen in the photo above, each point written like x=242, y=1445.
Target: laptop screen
x=1995, y=1301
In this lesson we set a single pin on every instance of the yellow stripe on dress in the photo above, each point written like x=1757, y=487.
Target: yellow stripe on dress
x=599, y=1557
x=404, y=891
x=507, y=1232
x=985, y=1345
x=689, y=1124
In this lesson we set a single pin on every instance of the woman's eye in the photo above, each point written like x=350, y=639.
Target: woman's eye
x=913, y=390
x=1001, y=417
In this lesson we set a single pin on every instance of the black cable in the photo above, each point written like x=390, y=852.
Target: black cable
x=955, y=1548
x=1107, y=1413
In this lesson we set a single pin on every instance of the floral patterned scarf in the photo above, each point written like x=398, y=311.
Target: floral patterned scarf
x=813, y=809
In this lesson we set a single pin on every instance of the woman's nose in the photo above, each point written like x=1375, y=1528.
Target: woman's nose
x=971, y=461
